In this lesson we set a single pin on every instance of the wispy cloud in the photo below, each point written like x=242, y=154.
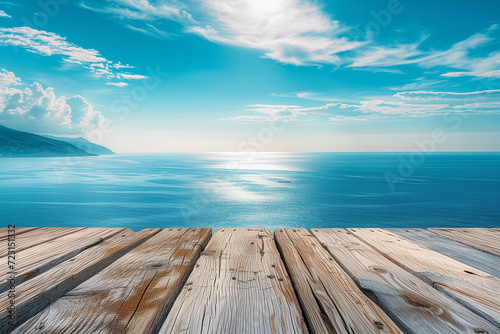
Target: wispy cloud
x=143, y=10
x=474, y=102
x=289, y=31
x=418, y=83
x=486, y=107
x=144, y=16
x=4, y=14
x=150, y=30
x=400, y=108
x=117, y=84
x=459, y=57
x=35, y=109
x=292, y=32
x=402, y=104
x=300, y=32
x=49, y=44
x=131, y=76
x=347, y=119
x=436, y=95
x=382, y=56
x=264, y=112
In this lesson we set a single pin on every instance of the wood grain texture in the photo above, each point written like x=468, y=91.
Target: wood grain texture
x=477, y=290
x=486, y=240
x=330, y=299
x=39, y=236
x=414, y=305
x=473, y=257
x=35, y=260
x=4, y=231
x=238, y=286
x=39, y=292
x=132, y=295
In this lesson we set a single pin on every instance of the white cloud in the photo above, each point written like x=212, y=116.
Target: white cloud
x=398, y=105
x=478, y=102
x=399, y=108
x=144, y=16
x=458, y=56
x=4, y=14
x=48, y=44
x=131, y=76
x=436, y=95
x=341, y=118
x=251, y=118
x=419, y=83
x=474, y=73
x=298, y=32
x=149, y=30
x=39, y=110
x=264, y=112
x=380, y=56
x=8, y=78
x=117, y=84
x=485, y=106
x=143, y=10
x=290, y=31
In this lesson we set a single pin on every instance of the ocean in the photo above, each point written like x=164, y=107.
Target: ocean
x=271, y=190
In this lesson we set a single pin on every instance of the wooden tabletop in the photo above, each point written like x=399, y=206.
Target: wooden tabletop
x=250, y=280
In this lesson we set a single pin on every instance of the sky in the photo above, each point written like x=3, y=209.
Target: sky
x=254, y=75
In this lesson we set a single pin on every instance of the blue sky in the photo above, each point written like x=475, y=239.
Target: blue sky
x=254, y=75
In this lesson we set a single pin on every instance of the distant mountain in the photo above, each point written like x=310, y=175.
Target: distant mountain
x=84, y=144
x=15, y=143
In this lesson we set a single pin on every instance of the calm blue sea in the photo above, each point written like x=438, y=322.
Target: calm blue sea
x=270, y=190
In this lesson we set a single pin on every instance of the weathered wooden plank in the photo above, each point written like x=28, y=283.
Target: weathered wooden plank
x=4, y=231
x=239, y=286
x=35, y=260
x=37, y=293
x=473, y=257
x=486, y=240
x=39, y=236
x=330, y=299
x=477, y=290
x=132, y=295
x=414, y=305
